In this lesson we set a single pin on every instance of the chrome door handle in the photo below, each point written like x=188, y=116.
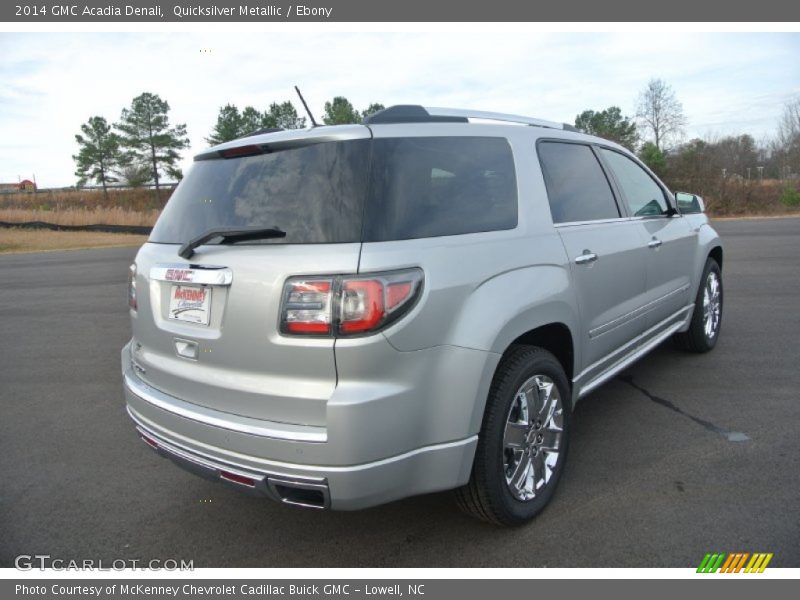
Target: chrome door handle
x=654, y=243
x=586, y=258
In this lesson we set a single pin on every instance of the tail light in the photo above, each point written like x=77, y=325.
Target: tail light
x=346, y=305
x=132, y=303
x=307, y=306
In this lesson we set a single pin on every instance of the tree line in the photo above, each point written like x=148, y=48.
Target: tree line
x=233, y=123
x=656, y=132
x=142, y=146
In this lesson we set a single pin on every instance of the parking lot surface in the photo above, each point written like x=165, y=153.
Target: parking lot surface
x=679, y=456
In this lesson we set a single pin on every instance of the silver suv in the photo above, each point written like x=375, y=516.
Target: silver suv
x=339, y=317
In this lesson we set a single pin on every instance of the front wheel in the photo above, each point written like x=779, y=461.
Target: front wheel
x=523, y=441
x=706, y=322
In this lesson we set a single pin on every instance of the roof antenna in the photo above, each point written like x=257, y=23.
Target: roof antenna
x=303, y=100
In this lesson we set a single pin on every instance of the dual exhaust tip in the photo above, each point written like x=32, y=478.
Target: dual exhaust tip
x=285, y=489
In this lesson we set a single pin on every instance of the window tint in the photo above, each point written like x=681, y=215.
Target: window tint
x=576, y=185
x=643, y=195
x=314, y=193
x=324, y=192
x=434, y=186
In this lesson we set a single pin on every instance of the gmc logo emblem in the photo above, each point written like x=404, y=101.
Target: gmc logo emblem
x=179, y=275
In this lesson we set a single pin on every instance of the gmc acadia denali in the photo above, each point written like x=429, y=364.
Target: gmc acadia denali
x=338, y=317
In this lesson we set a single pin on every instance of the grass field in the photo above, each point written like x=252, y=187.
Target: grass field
x=38, y=240
x=139, y=207
x=139, y=200
x=740, y=197
x=82, y=216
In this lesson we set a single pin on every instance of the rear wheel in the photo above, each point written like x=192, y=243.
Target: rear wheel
x=707, y=317
x=523, y=442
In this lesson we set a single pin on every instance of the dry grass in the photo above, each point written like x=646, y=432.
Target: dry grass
x=739, y=198
x=139, y=207
x=82, y=216
x=38, y=240
x=131, y=199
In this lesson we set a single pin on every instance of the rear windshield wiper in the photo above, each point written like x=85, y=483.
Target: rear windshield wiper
x=230, y=234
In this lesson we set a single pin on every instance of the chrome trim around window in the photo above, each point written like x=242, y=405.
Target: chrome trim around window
x=594, y=222
x=612, y=220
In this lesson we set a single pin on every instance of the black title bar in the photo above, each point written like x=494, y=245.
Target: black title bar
x=400, y=11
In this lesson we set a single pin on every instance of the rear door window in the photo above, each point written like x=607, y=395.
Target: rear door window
x=436, y=186
x=577, y=187
x=642, y=194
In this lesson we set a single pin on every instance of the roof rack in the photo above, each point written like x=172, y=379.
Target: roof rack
x=418, y=114
x=492, y=116
x=410, y=113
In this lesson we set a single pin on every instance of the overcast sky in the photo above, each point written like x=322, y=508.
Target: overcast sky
x=729, y=83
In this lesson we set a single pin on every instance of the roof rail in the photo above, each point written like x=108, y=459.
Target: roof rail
x=412, y=113
x=492, y=116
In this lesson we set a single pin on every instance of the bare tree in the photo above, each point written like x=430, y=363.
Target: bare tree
x=660, y=113
x=789, y=125
x=788, y=139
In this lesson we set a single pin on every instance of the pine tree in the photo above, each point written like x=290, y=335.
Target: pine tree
x=99, y=153
x=228, y=127
x=283, y=115
x=148, y=137
x=340, y=112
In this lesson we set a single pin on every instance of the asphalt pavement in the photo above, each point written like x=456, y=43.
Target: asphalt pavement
x=657, y=475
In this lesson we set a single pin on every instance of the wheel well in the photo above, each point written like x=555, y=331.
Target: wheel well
x=716, y=254
x=555, y=338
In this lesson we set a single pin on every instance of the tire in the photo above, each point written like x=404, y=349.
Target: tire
x=513, y=431
x=702, y=336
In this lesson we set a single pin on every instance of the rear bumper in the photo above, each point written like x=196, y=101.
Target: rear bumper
x=308, y=466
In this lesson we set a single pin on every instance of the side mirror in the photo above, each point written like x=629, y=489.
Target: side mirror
x=689, y=203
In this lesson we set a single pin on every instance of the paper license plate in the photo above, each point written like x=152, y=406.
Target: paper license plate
x=190, y=303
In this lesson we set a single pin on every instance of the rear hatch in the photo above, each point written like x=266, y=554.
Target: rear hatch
x=207, y=327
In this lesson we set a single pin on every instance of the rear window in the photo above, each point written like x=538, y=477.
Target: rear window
x=435, y=186
x=336, y=192
x=314, y=193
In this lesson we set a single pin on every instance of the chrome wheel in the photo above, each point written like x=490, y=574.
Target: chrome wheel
x=712, y=305
x=532, y=439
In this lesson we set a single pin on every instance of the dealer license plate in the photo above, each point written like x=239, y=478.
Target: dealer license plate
x=190, y=303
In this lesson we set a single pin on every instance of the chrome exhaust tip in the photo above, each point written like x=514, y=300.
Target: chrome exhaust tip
x=300, y=493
